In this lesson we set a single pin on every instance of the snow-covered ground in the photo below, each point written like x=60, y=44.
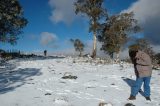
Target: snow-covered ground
x=36, y=82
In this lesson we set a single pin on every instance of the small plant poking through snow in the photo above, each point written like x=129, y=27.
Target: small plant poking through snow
x=95, y=61
x=105, y=104
x=129, y=104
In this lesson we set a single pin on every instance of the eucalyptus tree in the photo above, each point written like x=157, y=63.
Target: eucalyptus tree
x=115, y=32
x=11, y=20
x=94, y=10
x=78, y=45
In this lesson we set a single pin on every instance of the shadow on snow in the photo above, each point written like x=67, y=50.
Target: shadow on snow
x=13, y=79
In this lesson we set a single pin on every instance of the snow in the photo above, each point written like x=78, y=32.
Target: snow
x=39, y=82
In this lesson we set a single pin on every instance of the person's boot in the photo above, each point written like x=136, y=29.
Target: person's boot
x=132, y=97
x=148, y=98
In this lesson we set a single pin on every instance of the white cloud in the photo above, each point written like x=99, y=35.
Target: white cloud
x=147, y=12
x=62, y=11
x=67, y=51
x=156, y=48
x=89, y=47
x=47, y=38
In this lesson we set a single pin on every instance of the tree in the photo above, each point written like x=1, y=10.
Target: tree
x=157, y=56
x=115, y=32
x=78, y=45
x=93, y=9
x=11, y=21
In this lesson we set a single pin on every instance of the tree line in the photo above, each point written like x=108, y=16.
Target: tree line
x=112, y=31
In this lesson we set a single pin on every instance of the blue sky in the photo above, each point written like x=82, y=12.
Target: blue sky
x=53, y=22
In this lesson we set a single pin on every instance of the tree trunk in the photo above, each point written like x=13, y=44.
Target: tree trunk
x=117, y=57
x=111, y=55
x=80, y=54
x=94, y=45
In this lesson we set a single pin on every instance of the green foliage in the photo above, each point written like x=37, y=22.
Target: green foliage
x=11, y=20
x=92, y=8
x=157, y=56
x=78, y=45
x=2, y=51
x=115, y=32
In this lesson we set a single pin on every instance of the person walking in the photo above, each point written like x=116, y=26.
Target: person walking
x=45, y=52
x=143, y=71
